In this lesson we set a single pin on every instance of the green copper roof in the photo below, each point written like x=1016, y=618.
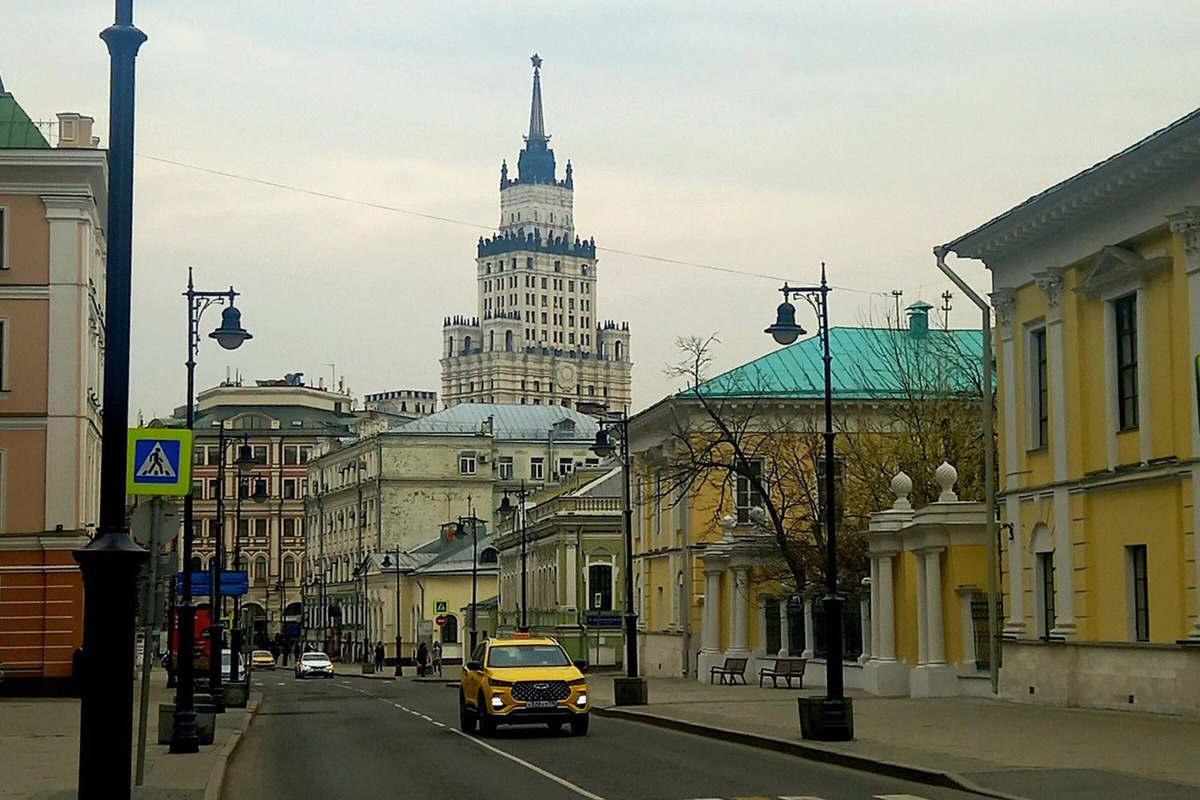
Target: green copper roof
x=17, y=131
x=867, y=364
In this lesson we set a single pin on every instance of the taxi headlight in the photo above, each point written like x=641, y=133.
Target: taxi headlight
x=497, y=701
x=581, y=701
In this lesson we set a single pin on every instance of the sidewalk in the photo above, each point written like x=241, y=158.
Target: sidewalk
x=1011, y=749
x=39, y=749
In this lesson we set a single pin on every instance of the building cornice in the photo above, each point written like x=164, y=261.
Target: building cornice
x=1152, y=160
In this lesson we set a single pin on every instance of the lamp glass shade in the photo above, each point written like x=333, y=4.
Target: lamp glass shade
x=602, y=447
x=231, y=334
x=260, y=492
x=245, y=459
x=785, y=330
x=506, y=507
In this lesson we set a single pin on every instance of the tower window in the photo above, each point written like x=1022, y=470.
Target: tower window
x=529, y=263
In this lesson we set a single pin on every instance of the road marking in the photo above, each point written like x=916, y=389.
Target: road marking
x=281, y=683
x=801, y=797
x=427, y=719
x=439, y=724
x=579, y=790
x=899, y=797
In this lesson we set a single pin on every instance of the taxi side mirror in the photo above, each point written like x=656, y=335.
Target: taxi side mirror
x=474, y=666
x=580, y=665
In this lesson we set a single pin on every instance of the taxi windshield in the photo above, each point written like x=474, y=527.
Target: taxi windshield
x=527, y=655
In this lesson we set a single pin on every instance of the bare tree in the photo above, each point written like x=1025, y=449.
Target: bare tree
x=753, y=439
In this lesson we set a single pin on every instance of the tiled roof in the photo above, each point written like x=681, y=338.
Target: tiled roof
x=866, y=364
x=511, y=422
x=17, y=131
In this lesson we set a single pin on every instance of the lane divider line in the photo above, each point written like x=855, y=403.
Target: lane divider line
x=566, y=784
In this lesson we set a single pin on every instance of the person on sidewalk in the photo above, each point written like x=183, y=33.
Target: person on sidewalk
x=378, y=656
x=296, y=652
x=437, y=658
x=422, y=659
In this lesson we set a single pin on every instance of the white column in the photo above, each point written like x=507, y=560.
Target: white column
x=1145, y=406
x=1112, y=415
x=1064, y=577
x=885, y=622
x=868, y=624
x=762, y=625
x=572, y=570
x=1014, y=626
x=874, y=640
x=922, y=612
x=936, y=647
x=711, y=626
x=1187, y=226
x=808, y=630
x=785, y=633
x=741, y=609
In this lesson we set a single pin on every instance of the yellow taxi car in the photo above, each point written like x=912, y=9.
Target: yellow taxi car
x=262, y=659
x=519, y=681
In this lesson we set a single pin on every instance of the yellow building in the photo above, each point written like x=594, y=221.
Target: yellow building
x=422, y=593
x=709, y=581
x=1097, y=296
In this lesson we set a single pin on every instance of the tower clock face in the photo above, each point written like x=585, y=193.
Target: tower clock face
x=566, y=374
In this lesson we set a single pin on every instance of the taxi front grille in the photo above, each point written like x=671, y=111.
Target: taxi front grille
x=524, y=691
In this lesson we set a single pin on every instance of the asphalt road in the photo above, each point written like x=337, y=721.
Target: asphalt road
x=355, y=738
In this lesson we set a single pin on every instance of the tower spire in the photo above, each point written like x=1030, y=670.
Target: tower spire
x=537, y=125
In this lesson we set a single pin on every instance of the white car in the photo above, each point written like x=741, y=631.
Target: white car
x=317, y=664
x=226, y=658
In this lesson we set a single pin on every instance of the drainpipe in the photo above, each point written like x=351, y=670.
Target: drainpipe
x=989, y=480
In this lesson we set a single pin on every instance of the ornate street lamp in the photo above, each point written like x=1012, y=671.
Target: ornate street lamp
x=506, y=510
x=388, y=563
x=632, y=689
x=229, y=335
x=837, y=725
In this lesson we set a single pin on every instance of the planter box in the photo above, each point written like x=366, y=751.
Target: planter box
x=812, y=720
x=206, y=723
x=368, y=669
x=236, y=694
x=630, y=691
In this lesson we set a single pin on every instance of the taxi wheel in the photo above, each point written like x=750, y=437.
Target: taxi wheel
x=466, y=719
x=579, y=725
x=487, y=725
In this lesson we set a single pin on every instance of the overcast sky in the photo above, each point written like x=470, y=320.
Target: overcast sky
x=762, y=138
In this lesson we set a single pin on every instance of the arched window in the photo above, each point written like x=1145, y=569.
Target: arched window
x=260, y=569
x=583, y=270
x=466, y=344
x=197, y=564
x=508, y=340
x=450, y=630
x=289, y=569
x=617, y=350
x=490, y=555
x=491, y=340
x=450, y=346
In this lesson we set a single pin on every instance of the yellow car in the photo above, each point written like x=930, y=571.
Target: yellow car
x=519, y=681
x=262, y=659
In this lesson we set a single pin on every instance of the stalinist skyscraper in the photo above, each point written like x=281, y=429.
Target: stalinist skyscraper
x=536, y=336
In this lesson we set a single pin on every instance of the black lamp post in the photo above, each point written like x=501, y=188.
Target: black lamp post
x=230, y=336
x=631, y=689
x=506, y=512
x=111, y=561
x=474, y=522
x=388, y=564
x=837, y=725
x=244, y=462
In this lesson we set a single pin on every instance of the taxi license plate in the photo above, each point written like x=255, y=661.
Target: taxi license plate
x=541, y=704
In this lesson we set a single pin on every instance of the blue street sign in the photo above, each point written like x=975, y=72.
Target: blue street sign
x=603, y=621
x=234, y=583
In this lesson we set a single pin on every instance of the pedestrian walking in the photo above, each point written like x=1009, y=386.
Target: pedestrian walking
x=437, y=658
x=422, y=659
x=296, y=652
x=379, y=656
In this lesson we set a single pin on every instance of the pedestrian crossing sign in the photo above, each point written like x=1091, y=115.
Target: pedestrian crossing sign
x=159, y=461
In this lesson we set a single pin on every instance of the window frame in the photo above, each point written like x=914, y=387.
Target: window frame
x=1137, y=580
x=468, y=464
x=5, y=214
x=538, y=474
x=505, y=474
x=1038, y=394
x=745, y=491
x=1125, y=354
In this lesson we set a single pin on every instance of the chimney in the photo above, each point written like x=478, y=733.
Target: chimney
x=918, y=319
x=75, y=131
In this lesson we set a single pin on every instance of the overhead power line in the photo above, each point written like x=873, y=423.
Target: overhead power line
x=464, y=223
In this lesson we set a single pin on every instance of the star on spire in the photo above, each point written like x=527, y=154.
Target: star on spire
x=537, y=61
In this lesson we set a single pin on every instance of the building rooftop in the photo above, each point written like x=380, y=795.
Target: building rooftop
x=508, y=422
x=867, y=364
x=17, y=131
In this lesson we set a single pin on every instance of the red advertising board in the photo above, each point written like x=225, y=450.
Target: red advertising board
x=201, y=649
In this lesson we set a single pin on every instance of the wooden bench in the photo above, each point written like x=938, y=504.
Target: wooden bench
x=786, y=668
x=733, y=669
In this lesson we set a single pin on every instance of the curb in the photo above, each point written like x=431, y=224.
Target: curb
x=216, y=778
x=375, y=677
x=891, y=769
